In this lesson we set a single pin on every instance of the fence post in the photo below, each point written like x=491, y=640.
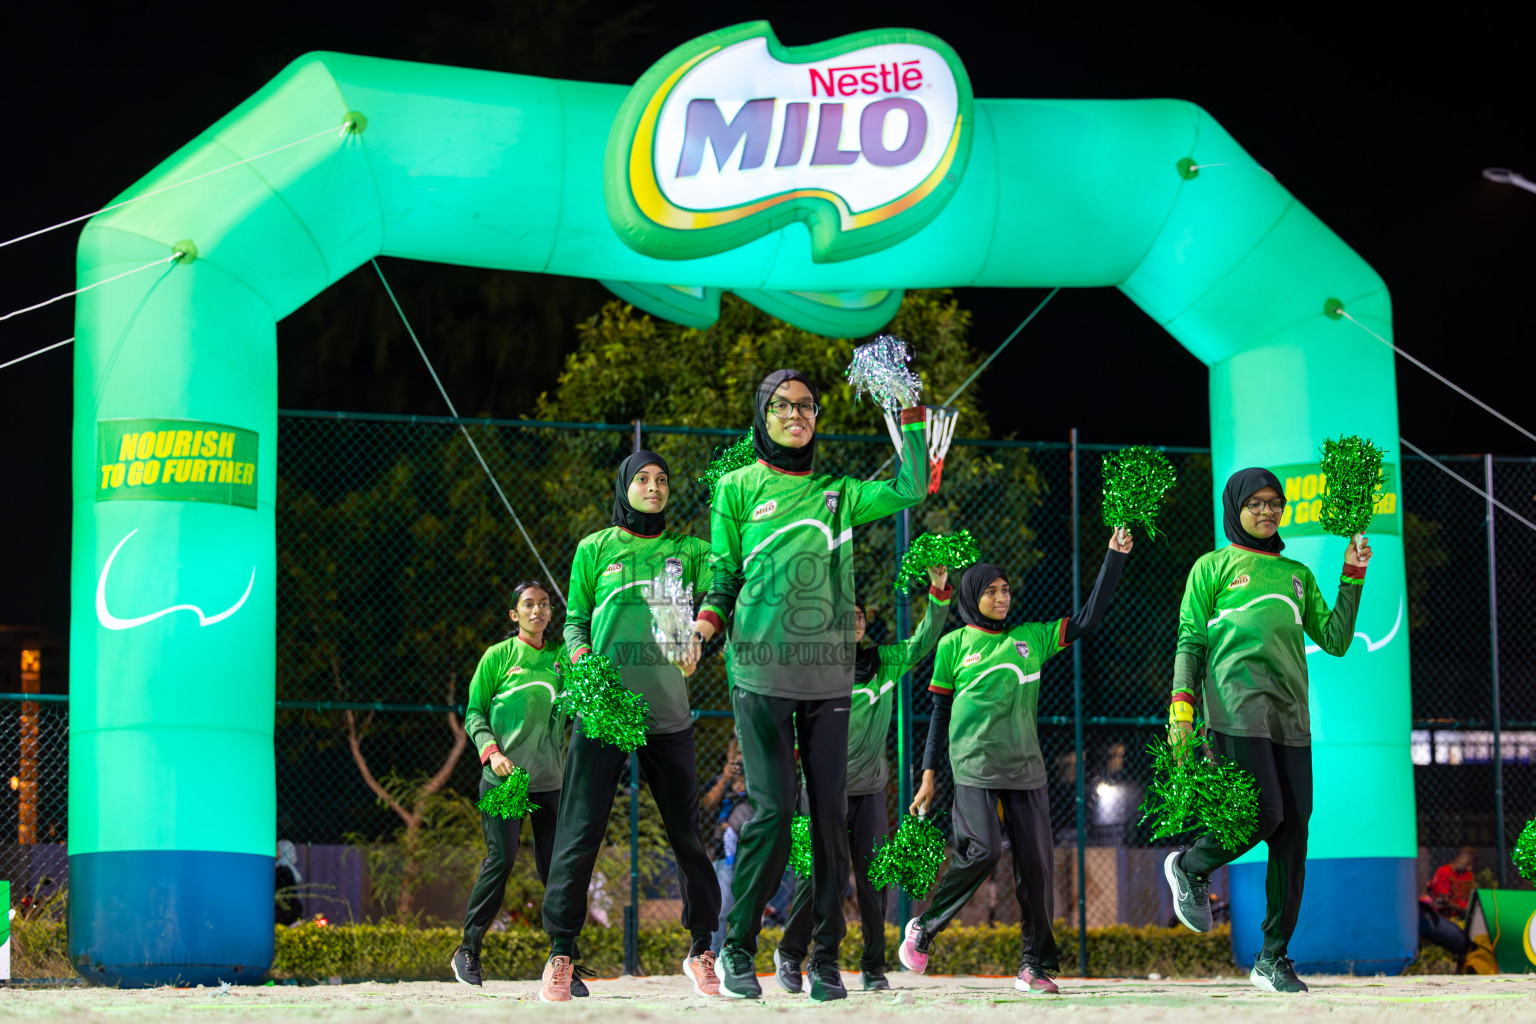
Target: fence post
x=1493, y=634
x=632, y=912
x=1077, y=733
x=903, y=706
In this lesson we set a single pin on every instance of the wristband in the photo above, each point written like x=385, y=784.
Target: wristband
x=1181, y=709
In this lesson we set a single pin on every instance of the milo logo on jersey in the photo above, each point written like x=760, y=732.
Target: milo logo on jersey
x=1305, y=485
x=731, y=136
x=1239, y=583
x=614, y=568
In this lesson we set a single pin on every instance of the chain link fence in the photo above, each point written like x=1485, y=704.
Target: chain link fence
x=396, y=565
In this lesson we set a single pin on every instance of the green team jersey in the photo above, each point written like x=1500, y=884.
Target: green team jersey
x=511, y=708
x=995, y=679
x=869, y=718
x=1243, y=626
x=607, y=613
x=782, y=554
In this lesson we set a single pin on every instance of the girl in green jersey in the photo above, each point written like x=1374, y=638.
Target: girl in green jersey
x=1243, y=626
x=986, y=689
x=512, y=720
x=610, y=576
x=875, y=672
x=783, y=578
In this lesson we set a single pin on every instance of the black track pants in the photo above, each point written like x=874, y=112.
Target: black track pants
x=866, y=824
x=593, y=772
x=501, y=836
x=769, y=728
x=979, y=846
x=1284, y=776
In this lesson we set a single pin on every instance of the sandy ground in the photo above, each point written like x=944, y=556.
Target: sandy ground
x=953, y=1000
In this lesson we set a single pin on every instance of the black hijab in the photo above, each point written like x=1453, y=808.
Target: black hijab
x=1241, y=486
x=866, y=657
x=647, y=524
x=968, y=601
x=792, y=460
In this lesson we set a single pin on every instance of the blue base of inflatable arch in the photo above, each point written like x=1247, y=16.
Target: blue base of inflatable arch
x=1360, y=915
x=170, y=917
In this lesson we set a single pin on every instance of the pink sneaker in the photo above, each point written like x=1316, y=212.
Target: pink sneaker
x=557, y=981
x=701, y=971
x=1033, y=979
x=912, y=958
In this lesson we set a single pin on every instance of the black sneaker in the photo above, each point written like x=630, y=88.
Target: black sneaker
x=578, y=987
x=1191, y=896
x=738, y=974
x=466, y=966
x=787, y=972
x=874, y=981
x=826, y=980
x=1276, y=974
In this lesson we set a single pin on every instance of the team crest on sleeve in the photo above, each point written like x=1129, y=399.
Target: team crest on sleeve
x=1022, y=647
x=831, y=497
x=1301, y=591
x=675, y=567
x=1241, y=581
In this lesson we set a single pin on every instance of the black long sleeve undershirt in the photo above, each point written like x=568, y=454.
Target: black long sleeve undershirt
x=1084, y=622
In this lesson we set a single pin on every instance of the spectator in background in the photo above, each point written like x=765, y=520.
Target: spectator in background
x=1452, y=884
x=725, y=804
x=288, y=909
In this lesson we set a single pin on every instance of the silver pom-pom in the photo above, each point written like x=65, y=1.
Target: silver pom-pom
x=880, y=368
x=671, y=603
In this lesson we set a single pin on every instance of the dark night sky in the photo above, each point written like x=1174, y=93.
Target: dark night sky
x=1379, y=123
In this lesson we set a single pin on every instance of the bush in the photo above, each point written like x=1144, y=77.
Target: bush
x=402, y=951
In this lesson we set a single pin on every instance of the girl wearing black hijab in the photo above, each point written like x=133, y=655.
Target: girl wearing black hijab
x=780, y=533
x=1243, y=626
x=610, y=576
x=986, y=690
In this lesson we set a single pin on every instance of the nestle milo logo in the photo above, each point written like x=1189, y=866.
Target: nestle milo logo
x=731, y=136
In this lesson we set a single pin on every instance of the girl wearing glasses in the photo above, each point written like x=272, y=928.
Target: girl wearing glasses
x=986, y=692
x=610, y=577
x=1247, y=614
x=783, y=564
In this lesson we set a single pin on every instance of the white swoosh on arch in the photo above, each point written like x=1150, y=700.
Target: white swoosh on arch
x=832, y=543
x=616, y=593
x=107, y=619
x=1375, y=645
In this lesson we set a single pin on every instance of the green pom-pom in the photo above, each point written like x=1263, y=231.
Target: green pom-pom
x=1524, y=854
x=909, y=859
x=800, y=846
x=954, y=552
x=510, y=799
x=1135, y=480
x=1351, y=485
x=1189, y=792
x=592, y=691
x=728, y=457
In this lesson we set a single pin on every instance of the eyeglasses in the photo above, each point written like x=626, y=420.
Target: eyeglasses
x=1258, y=505
x=784, y=409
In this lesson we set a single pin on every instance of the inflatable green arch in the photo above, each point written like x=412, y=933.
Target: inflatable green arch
x=695, y=181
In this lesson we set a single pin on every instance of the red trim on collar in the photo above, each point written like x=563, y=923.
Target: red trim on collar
x=1256, y=551
x=642, y=536
x=536, y=646
x=983, y=629
x=786, y=472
